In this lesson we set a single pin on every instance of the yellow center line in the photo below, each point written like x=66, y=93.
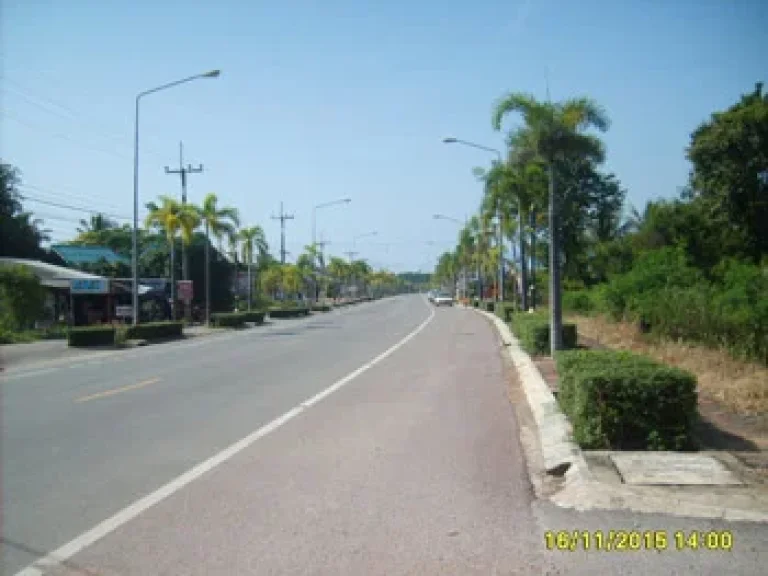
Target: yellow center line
x=118, y=390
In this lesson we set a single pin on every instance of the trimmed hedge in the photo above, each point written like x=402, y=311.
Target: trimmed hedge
x=91, y=336
x=504, y=310
x=155, y=330
x=255, y=316
x=321, y=308
x=288, y=312
x=228, y=319
x=620, y=400
x=533, y=332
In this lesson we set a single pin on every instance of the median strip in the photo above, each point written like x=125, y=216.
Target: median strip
x=118, y=390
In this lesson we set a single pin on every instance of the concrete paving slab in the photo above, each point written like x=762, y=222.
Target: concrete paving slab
x=671, y=468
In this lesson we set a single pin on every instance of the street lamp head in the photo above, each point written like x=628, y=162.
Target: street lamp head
x=212, y=74
x=449, y=140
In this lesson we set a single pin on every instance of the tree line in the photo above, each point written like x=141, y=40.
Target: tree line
x=695, y=266
x=205, y=243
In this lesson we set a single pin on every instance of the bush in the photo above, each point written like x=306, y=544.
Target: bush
x=155, y=331
x=504, y=310
x=228, y=319
x=581, y=301
x=22, y=297
x=533, y=332
x=476, y=303
x=288, y=312
x=91, y=336
x=490, y=305
x=321, y=308
x=619, y=400
x=254, y=316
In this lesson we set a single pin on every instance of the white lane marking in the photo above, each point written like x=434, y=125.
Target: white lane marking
x=65, y=552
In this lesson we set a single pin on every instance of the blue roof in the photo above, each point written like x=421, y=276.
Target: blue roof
x=78, y=254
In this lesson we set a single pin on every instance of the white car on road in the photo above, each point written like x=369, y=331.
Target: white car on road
x=443, y=299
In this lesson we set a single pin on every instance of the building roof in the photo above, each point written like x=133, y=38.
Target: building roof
x=76, y=254
x=49, y=274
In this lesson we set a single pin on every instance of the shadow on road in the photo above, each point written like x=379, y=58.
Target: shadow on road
x=40, y=554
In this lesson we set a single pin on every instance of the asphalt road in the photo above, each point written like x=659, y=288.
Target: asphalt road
x=410, y=464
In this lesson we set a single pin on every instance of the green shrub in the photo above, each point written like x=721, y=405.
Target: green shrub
x=533, y=332
x=91, y=336
x=581, y=301
x=22, y=297
x=619, y=400
x=321, y=308
x=255, y=316
x=155, y=331
x=228, y=319
x=490, y=305
x=504, y=310
x=288, y=312
x=476, y=303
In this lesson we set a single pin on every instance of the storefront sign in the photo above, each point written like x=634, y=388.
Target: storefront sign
x=123, y=311
x=89, y=286
x=184, y=290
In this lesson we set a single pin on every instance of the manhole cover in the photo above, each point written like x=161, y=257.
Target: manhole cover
x=672, y=468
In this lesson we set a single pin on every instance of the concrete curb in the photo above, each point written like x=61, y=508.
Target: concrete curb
x=561, y=454
x=581, y=490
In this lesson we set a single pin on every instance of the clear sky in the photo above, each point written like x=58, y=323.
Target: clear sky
x=335, y=98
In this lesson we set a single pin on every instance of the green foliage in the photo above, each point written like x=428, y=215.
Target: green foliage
x=619, y=400
x=255, y=316
x=490, y=305
x=729, y=154
x=321, y=308
x=21, y=297
x=228, y=319
x=288, y=312
x=533, y=332
x=504, y=310
x=155, y=331
x=580, y=301
x=91, y=336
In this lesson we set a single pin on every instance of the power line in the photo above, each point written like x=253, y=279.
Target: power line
x=35, y=100
x=76, y=208
x=47, y=192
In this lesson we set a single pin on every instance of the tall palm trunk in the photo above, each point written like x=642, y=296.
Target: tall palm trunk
x=250, y=283
x=555, y=311
x=207, y=276
x=523, y=266
x=173, y=282
x=533, y=257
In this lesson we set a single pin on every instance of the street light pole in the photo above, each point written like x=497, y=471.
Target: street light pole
x=452, y=140
x=135, y=235
x=466, y=225
x=314, y=229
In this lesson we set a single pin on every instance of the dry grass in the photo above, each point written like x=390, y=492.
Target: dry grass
x=738, y=384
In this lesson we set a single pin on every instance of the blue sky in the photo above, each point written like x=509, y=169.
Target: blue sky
x=330, y=99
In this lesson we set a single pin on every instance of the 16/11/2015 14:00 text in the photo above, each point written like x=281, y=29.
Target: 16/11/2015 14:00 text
x=634, y=540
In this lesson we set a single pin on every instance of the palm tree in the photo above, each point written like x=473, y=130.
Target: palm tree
x=552, y=133
x=359, y=271
x=250, y=238
x=220, y=222
x=97, y=223
x=170, y=217
x=338, y=270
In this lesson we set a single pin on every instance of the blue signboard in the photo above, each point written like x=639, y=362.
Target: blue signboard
x=89, y=286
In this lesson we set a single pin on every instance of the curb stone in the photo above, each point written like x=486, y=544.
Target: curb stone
x=581, y=490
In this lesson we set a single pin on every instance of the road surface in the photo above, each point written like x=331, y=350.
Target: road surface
x=217, y=456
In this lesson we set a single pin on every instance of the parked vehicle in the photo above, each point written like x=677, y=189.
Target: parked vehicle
x=443, y=299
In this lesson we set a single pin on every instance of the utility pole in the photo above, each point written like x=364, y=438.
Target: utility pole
x=351, y=255
x=183, y=171
x=283, y=217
